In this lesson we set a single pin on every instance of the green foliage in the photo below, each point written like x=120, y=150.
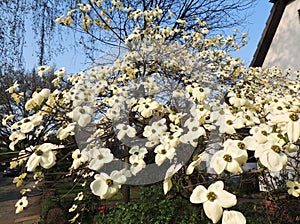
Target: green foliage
x=48, y=203
x=154, y=208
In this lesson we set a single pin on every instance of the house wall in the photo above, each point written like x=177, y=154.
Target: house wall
x=284, y=51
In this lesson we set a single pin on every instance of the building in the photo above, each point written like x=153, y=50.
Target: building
x=280, y=41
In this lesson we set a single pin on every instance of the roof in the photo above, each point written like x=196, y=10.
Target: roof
x=269, y=32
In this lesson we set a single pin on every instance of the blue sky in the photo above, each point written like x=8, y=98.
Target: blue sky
x=74, y=60
x=257, y=22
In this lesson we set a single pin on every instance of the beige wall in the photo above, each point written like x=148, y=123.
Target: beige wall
x=285, y=48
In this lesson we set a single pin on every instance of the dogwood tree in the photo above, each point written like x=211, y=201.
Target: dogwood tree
x=23, y=18
x=13, y=98
x=176, y=108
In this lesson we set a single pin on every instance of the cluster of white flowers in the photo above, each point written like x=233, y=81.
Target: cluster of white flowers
x=231, y=158
x=137, y=159
x=160, y=98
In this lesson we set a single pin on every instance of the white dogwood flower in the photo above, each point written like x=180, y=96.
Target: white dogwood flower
x=78, y=158
x=201, y=157
x=136, y=150
x=271, y=155
x=21, y=204
x=99, y=156
x=163, y=152
x=248, y=117
x=194, y=132
x=146, y=107
x=106, y=186
x=113, y=113
x=236, y=99
x=137, y=159
x=7, y=118
x=15, y=137
x=42, y=69
x=82, y=115
x=154, y=132
x=73, y=208
x=64, y=132
x=84, y=7
x=43, y=155
x=60, y=72
x=125, y=130
x=228, y=123
x=293, y=188
x=72, y=220
x=20, y=179
x=261, y=132
x=229, y=159
x=293, y=127
x=167, y=184
x=12, y=88
x=198, y=93
x=39, y=96
x=214, y=199
x=289, y=122
x=79, y=196
x=27, y=124
x=137, y=163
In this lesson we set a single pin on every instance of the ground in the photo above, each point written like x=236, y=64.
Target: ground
x=9, y=195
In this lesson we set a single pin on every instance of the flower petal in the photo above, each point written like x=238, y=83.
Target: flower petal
x=213, y=211
x=217, y=186
x=234, y=167
x=33, y=162
x=293, y=130
x=225, y=199
x=99, y=187
x=96, y=164
x=167, y=185
x=272, y=161
x=199, y=195
x=233, y=217
x=48, y=160
x=84, y=120
x=218, y=164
